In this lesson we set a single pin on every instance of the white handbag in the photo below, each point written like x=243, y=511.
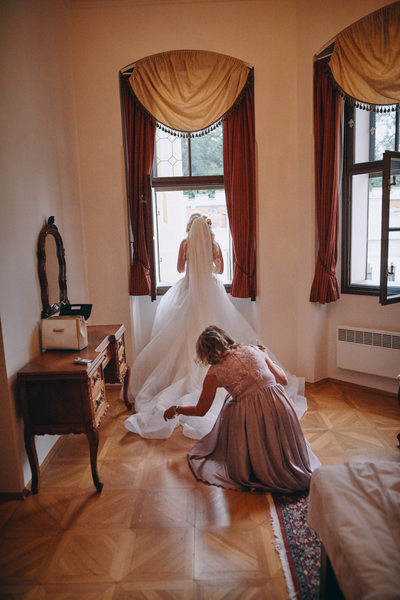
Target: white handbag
x=64, y=333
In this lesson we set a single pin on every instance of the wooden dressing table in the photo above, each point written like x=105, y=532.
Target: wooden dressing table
x=60, y=397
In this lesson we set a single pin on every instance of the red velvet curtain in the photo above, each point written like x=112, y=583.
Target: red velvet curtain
x=326, y=138
x=240, y=191
x=139, y=137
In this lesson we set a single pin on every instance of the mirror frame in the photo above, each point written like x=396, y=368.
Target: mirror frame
x=50, y=229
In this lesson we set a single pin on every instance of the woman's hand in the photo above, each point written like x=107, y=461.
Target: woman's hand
x=207, y=395
x=170, y=413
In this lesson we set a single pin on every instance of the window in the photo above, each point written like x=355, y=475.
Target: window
x=187, y=178
x=390, y=246
x=221, y=88
x=370, y=139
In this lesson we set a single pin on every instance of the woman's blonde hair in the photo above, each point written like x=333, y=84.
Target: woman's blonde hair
x=195, y=216
x=192, y=218
x=213, y=344
x=207, y=220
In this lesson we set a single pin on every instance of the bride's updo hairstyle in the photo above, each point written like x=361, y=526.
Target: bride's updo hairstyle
x=213, y=345
x=207, y=220
x=192, y=218
x=195, y=216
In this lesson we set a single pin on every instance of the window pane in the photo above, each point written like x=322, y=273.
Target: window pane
x=173, y=209
x=384, y=134
x=207, y=153
x=366, y=230
x=171, y=155
x=394, y=236
x=374, y=133
x=362, y=135
x=393, y=278
x=394, y=202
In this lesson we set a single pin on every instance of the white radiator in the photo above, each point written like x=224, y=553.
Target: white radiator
x=368, y=351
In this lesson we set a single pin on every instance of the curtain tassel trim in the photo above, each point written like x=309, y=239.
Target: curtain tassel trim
x=378, y=108
x=188, y=134
x=202, y=132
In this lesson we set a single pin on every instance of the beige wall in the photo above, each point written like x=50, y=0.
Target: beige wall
x=279, y=38
x=62, y=156
x=317, y=23
x=38, y=178
x=106, y=38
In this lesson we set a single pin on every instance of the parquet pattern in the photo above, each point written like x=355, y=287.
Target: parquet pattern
x=155, y=533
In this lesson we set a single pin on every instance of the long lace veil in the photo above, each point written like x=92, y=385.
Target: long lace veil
x=199, y=273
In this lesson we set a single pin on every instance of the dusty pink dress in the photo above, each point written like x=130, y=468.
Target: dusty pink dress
x=257, y=442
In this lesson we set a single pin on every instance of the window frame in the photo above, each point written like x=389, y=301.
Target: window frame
x=138, y=133
x=351, y=168
x=182, y=183
x=384, y=298
x=376, y=168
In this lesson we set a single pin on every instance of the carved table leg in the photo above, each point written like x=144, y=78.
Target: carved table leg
x=33, y=459
x=125, y=389
x=93, y=438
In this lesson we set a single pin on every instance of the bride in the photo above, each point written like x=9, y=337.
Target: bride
x=166, y=372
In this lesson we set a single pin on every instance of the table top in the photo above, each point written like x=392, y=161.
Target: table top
x=61, y=362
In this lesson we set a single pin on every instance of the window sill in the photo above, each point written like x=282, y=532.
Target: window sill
x=163, y=289
x=360, y=290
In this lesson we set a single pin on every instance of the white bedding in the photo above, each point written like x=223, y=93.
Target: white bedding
x=355, y=509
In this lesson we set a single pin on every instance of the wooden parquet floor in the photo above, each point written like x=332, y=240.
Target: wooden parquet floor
x=155, y=532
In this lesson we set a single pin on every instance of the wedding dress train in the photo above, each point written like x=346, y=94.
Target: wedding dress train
x=166, y=372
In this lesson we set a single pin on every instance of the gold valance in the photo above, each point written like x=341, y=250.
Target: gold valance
x=188, y=90
x=365, y=62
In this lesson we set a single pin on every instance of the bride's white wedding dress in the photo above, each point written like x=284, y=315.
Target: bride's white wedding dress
x=166, y=372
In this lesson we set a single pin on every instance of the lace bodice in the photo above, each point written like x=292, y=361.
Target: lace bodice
x=244, y=371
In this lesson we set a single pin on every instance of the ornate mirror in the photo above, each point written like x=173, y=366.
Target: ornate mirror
x=51, y=269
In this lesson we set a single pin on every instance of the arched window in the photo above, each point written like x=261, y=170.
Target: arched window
x=362, y=67
x=185, y=92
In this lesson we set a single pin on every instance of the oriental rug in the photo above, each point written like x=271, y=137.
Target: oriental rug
x=299, y=547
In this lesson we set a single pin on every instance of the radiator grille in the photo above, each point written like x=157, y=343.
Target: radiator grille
x=370, y=338
x=368, y=351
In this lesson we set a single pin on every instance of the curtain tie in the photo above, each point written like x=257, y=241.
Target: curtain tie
x=247, y=273
x=330, y=271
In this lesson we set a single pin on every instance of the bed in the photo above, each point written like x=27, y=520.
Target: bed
x=355, y=509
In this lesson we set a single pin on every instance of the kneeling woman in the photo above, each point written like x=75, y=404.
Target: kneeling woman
x=257, y=442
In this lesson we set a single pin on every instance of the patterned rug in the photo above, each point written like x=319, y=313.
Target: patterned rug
x=299, y=547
